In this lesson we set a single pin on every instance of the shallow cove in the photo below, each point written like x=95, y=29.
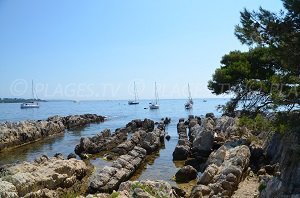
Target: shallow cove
x=160, y=166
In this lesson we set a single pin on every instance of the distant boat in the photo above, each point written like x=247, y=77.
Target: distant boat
x=204, y=100
x=135, y=101
x=190, y=102
x=155, y=105
x=33, y=103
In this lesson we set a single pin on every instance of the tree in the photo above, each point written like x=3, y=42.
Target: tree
x=267, y=76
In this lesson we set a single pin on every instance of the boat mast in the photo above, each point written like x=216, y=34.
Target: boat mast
x=32, y=93
x=156, y=94
x=135, y=93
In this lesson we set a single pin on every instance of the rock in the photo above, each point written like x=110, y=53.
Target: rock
x=148, y=189
x=203, y=139
x=226, y=169
x=181, y=152
x=101, y=142
x=71, y=155
x=208, y=174
x=59, y=156
x=148, y=125
x=74, y=121
x=198, y=163
x=19, y=133
x=186, y=174
x=261, y=171
x=210, y=115
x=29, y=179
x=199, y=191
x=109, y=178
x=284, y=149
x=179, y=192
x=168, y=137
x=108, y=156
x=8, y=190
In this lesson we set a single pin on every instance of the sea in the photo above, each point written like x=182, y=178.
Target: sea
x=160, y=166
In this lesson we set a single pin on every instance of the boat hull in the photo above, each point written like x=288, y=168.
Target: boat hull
x=29, y=105
x=188, y=106
x=154, y=106
x=133, y=102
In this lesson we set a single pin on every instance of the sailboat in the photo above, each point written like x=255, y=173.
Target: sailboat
x=135, y=101
x=155, y=105
x=31, y=104
x=190, y=102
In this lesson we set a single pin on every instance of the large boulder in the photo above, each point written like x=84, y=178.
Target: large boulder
x=284, y=149
x=186, y=174
x=181, y=152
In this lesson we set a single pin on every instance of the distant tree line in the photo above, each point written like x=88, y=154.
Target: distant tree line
x=18, y=100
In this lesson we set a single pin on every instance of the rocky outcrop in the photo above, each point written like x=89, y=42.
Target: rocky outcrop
x=74, y=121
x=103, y=141
x=182, y=150
x=44, y=176
x=13, y=134
x=134, y=153
x=226, y=168
x=186, y=174
x=203, y=137
x=146, y=125
x=109, y=178
x=283, y=149
x=117, y=142
x=148, y=140
x=145, y=189
x=20, y=133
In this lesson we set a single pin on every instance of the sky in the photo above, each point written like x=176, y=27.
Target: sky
x=96, y=49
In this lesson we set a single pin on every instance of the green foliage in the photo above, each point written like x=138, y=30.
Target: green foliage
x=258, y=124
x=149, y=190
x=69, y=195
x=268, y=75
x=115, y=195
x=261, y=187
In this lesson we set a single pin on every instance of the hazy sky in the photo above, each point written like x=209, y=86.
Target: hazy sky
x=95, y=49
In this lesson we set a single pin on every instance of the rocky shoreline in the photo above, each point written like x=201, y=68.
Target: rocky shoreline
x=217, y=152
x=14, y=134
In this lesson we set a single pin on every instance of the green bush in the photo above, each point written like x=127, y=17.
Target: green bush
x=258, y=124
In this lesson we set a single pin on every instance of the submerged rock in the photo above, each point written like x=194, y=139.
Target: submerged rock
x=186, y=174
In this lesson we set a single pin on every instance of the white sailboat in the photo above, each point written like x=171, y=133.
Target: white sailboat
x=155, y=105
x=190, y=102
x=33, y=103
x=135, y=101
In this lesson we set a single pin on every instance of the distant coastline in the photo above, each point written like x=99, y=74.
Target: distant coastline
x=18, y=100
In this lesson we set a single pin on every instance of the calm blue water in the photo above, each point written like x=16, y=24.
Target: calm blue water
x=119, y=114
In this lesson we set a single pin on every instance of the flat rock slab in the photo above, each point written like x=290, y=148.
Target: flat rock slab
x=45, y=173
